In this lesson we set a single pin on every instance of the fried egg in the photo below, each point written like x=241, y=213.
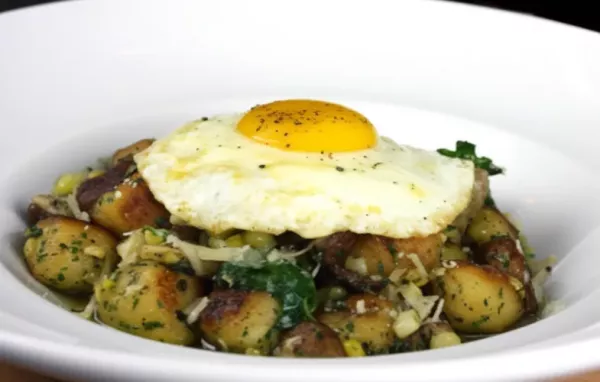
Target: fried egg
x=306, y=166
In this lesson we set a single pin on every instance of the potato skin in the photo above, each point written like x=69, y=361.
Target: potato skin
x=503, y=254
x=479, y=299
x=144, y=301
x=310, y=339
x=130, y=207
x=489, y=223
x=128, y=152
x=428, y=249
x=56, y=254
x=374, y=250
x=373, y=328
x=235, y=321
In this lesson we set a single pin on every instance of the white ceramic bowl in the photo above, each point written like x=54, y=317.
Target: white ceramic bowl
x=79, y=79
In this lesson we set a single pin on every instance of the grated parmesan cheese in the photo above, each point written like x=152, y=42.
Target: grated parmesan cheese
x=74, y=207
x=418, y=265
x=360, y=307
x=193, y=311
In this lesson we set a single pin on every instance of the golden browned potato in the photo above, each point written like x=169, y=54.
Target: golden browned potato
x=241, y=321
x=428, y=250
x=368, y=321
x=488, y=223
x=129, y=207
x=504, y=254
x=131, y=150
x=144, y=298
x=67, y=254
x=372, y=252
x=481, y=188
x=479, y=298
x=310, y=339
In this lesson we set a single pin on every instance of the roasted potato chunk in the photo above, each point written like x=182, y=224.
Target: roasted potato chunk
x=310, y=339
x=427, y=249
x=128, y=152
x=367, y=320
x=479, y=298
x=129, y=207
x=337, y=248
x=490, y=223
x=374, y=254
x=503, y=254
x=67, y=254
x=239, y=321
x=144, y=298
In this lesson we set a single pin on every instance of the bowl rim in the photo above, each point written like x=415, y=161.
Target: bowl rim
x=472, y=368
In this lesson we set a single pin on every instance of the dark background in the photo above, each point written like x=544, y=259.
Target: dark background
x=576, y=12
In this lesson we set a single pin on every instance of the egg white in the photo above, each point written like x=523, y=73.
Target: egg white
x=214, y=178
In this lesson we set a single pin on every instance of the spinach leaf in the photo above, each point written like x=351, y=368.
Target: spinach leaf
x=466, y=150
x=291, y=285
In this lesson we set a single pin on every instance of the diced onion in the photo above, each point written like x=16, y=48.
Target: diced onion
x=406, y=323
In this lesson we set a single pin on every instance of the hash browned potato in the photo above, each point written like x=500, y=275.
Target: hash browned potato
x=503, y=254
x=428, y=249
x=310, y=339
x=372, y=326
x=479, y=298
x=129, y=207
x=490, y=223
x=375, y=253
x=129, y=151
x=144, y=298
x=67, y=254
x=239, y=321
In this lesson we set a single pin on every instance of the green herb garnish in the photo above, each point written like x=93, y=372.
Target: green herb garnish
x=466, y=150
x=33, y=231
x=150, y=325
x=291, y=285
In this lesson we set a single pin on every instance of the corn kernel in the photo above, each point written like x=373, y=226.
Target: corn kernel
x=67, y=183
x=259, y=240
x=152, y=238
x=444, y=339
x=108, y=283
x=353, y=348
x=235, y=241
x=95, y=173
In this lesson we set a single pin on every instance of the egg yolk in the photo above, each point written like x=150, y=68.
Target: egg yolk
x=308, y=126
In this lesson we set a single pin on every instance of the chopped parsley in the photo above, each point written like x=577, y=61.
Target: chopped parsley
x=482, y=320
x=466, y=150
x=33, y=231
x=350, y=327
x=150, y=325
